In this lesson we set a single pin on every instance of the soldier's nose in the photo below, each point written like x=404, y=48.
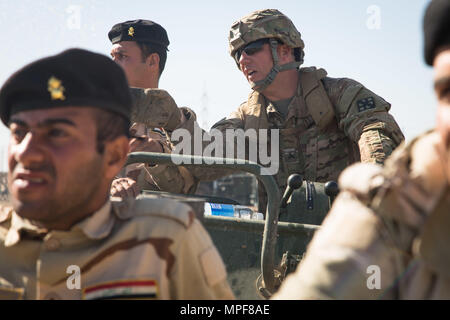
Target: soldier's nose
x=28, y=150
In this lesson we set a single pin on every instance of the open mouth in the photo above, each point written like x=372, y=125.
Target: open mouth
x=251, y=73
x=24, y=181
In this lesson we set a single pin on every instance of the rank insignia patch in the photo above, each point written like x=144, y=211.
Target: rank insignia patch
x=365, y=104
x=124, y=289
x=131, y=31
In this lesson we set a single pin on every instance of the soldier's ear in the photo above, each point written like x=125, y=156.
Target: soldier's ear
x=115, y=155
x=153, y=60
x=285, y=53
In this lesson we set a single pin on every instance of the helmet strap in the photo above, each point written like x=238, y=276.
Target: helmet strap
x=261, y=85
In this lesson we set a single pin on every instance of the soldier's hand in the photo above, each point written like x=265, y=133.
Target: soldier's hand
x=124, y=188
x=146, y=144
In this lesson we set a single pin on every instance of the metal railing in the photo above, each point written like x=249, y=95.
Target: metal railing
x=273, y=203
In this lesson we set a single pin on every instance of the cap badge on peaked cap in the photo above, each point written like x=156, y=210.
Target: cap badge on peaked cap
x=56, y=89
x=131, y=31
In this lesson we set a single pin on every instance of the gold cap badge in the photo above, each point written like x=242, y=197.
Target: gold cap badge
x=131, y=31
x=56, y=89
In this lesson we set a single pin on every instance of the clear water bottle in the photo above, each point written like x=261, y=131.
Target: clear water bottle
x=229, y=210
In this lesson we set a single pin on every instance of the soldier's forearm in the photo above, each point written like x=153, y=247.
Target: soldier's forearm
x=378, y=140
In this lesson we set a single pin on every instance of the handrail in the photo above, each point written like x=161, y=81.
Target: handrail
x=273, y=193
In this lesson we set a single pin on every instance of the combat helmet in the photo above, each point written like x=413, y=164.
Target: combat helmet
x=267, y=24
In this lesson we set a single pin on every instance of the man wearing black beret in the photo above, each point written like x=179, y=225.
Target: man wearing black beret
x=140, y=48
x=63, y=237
x=387, y=234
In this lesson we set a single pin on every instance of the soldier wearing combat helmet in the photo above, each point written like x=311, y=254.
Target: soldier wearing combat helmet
x=325, y=123
x=266, y=26
x=387, y=235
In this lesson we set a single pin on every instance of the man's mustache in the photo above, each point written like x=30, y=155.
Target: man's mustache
x=45, y=169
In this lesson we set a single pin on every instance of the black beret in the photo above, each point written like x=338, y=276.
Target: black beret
x=74, y=77
x=436, y=26
x=139, y=30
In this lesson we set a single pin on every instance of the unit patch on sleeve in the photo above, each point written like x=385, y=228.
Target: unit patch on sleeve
x=365, y=104
x=122, y=289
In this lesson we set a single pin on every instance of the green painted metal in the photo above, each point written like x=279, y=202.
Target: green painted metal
x=250, y=248
x=273, y=203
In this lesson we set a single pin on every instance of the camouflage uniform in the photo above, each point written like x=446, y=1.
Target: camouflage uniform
x=355, y=133
x=394, y=218
x=158, y=177
x=144, y=248
x=330, y=123
x=148, y=121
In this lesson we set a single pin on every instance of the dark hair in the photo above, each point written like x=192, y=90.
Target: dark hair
x=149, y=48
x=110, y=125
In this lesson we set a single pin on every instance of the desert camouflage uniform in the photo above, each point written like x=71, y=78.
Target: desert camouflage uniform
x=393, y=218
x=361, y=129
x=144, y=248
x=156, y=177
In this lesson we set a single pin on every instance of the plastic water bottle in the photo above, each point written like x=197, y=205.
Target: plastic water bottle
x=219, y=209
x=229, y=210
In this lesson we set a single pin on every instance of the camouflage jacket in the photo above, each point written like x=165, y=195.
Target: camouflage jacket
x=386, y=236
x=158, y=177
x=149, y=119
x=141, y=248
x=331, y=123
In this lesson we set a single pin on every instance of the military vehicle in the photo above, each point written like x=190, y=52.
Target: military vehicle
x=258, y=254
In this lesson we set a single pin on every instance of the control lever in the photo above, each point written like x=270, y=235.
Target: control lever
x=294, y=182
x=331, y=190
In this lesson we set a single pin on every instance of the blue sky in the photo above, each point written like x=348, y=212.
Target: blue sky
x=378, y=43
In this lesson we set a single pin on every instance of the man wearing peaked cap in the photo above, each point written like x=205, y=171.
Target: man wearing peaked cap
x=63, y=237
x=140, y=48
x=387, y=234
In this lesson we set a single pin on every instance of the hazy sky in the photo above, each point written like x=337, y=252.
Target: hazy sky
x=378, y=43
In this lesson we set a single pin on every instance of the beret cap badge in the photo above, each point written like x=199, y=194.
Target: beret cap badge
x=56, y=89
x=131, y=31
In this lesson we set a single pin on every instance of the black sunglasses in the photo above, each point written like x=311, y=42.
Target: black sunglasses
x=250, y=49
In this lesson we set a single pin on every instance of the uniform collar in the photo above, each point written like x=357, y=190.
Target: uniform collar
x=96, y=226
x=292, y=111
x=18, y=226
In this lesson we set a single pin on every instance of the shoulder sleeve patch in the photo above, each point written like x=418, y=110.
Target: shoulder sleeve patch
x=365, y=104
x=348, y=97
x=212, y=266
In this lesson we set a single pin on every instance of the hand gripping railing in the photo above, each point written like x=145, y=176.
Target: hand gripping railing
x=273, y=204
